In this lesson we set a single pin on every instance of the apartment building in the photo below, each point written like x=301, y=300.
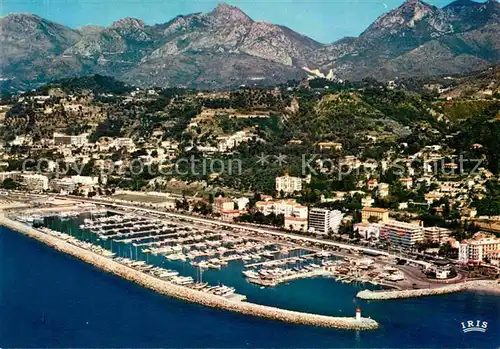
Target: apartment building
x=407, y=182
x=222, y=204
x=480, y=246
x=76, y=141
x=226, y=143
x=383, y=190
x=14, y=175
x=380, y=213
x=436, y=234
x=330, y=145
x=368, y=231
x=323, y=221
x=225, y=207
x=35, y=182
x=296, y=223
x=288, y=184
x=402, y=234
x=288, y=208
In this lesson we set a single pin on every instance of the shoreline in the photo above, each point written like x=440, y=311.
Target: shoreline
x=187, y=294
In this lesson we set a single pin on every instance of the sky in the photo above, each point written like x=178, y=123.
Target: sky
x=322, y=20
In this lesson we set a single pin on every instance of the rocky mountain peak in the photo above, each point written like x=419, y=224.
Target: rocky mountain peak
x=25, y=21
x=492, y=5
x=128, y=23
x=460, y=3
x=226, y=47
x=225, y=13
x=412, y=16
x=28, y=27
x=466, y=14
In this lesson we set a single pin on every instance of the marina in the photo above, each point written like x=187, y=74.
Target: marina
x=158, y=272
x=201, y=251
x=207, y=249
x=213, y=297
x=215, y=266
x=159, y=321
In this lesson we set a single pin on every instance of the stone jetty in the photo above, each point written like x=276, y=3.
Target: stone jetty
x=399, y=294
x=185, y=293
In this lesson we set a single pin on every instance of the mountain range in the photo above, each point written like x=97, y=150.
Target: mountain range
x=225, y=47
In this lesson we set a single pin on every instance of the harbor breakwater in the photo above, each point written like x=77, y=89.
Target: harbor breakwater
x=185, y=293
x=487, y=286
x=400, y=294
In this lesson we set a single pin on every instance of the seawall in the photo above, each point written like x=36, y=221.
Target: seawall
x=486, y=286
x=185, y=293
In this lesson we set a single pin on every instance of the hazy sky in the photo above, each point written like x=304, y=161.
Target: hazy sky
x=322, y=20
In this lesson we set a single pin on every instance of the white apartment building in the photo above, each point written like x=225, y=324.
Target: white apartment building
x=406, y=182
x=436, y=234
x=383, y=190
x=123, y=142
x=322, y=221
x=85, y=180
x=367, y=201
x=76, y=141
x=288, y=184
x=35, y=182
x=14, y=175
x=63, y=185
x=481, y=245
x=368, y=230
x=288, y=208
x=225, y=143
x=68, y=184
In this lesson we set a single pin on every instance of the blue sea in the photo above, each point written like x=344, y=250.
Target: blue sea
x=48, y=299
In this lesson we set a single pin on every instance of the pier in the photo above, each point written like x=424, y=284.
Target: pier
x=186, y=293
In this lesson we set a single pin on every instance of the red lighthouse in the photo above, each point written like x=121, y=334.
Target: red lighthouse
x=358, y=314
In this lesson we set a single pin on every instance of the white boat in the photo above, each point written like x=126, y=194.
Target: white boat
x=182, y=280
x=174, y=257
x=168, y=273
x=203, y=264
x=250, y=274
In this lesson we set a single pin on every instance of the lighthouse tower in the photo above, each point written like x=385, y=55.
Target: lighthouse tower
x=358, y=314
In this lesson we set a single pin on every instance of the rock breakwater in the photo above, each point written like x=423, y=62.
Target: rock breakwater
x=400, y=294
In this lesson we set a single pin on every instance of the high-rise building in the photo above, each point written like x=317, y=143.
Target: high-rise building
x=402, y=234
x=323, y=221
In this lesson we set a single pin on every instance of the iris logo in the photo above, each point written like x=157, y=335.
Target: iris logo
x=474, y=326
